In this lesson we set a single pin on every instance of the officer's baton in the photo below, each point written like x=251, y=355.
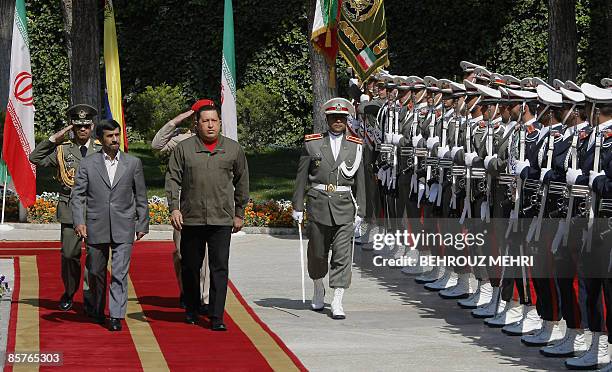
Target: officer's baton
x=302, y=261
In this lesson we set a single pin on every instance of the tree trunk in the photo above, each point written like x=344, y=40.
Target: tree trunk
x=319, y=70
x=67, y=15
x=83, y=44
x=562, y=43
x=609, y=23
x=7, y=8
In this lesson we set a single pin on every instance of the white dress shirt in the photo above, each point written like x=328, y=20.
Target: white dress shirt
x=111, y=165
x=335, y=140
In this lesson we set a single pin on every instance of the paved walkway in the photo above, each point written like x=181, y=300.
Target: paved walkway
x=392, y=323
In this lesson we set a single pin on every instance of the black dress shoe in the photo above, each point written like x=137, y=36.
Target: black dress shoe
x=219, y=327
x=191, y=318
x=65, y=303
x=115, y=324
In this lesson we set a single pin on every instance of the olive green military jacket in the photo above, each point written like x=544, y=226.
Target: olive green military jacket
x=45, y=155
x=209, y=188
x=317, y=166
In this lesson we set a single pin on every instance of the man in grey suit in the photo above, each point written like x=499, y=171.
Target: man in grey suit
x=110, y=188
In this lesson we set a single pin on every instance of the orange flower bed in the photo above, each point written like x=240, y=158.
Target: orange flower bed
x=270, y=213
x=43, y=211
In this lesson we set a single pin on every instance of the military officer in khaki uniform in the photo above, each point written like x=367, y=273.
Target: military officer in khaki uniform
x=331, y=169
x=66, y=155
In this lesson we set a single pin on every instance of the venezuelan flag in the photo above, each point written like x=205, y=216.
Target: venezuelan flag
x=113, y=97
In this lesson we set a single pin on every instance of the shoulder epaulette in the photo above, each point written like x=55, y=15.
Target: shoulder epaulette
x=67, y=142
x=354, y=139
x=607, y=133
x=97, y=142
x=314, y=136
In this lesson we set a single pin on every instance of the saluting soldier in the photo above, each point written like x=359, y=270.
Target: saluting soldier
x=66, y=155
x=331, y=170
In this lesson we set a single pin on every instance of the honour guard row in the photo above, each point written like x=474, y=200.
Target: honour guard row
x=525, y=162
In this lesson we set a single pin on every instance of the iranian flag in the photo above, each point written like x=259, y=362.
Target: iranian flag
x=19, y=122
x=324, y=34
x=366, y=58
x=228, y=76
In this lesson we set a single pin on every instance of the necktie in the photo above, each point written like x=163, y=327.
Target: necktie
x=83, y=150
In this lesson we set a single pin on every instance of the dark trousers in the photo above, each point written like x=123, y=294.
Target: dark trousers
x=71, y=265
x=566, y=265
x=194, y=240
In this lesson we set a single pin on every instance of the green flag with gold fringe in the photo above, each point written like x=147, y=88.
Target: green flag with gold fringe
x=362, y=34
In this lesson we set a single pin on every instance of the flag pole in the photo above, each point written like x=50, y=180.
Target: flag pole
x=4, y=227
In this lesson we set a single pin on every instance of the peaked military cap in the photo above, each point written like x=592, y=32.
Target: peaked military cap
x=548, y=96
x=339, y=106
x=81, y=112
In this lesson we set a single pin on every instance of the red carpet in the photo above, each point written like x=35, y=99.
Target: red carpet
x=156, y=324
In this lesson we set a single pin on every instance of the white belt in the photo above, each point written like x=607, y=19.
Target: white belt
x=330, y=187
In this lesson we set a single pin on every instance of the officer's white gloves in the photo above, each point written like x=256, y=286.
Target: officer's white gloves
x=432, y=141
x=520, y=165
x=415, y=140
x=594, y=175
x=297, y=216
x=469, y=158
x=393, y=138
x=442, y=151
x=488, y=159
x=543, y=172
x=572, y=175
x=455, y=150
x=357, y=222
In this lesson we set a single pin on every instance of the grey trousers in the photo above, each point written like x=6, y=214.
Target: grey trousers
x=97, y=261
x=338, y=239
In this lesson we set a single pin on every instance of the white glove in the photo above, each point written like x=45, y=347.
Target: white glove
x=297, y=216
x=357, y=222
x=415, y=140
x=488, y=159
x=592, y=177
x=393, y=138
x=543, y=173
x=571, y=175
x=469, y=158
x=455, y=150
x=432, y=141
x=442, y=151
x=520, y=165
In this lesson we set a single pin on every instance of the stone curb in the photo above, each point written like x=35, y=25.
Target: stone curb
x=247, y=229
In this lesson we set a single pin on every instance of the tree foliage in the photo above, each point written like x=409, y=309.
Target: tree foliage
x=49, y=64
x=178, y=43
x=149, y=110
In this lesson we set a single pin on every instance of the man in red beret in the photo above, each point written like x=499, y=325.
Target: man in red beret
x=165, y=140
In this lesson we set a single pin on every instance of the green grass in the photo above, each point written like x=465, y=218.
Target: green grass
x=272, y=173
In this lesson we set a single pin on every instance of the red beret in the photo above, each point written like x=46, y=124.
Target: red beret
x=201, y=103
